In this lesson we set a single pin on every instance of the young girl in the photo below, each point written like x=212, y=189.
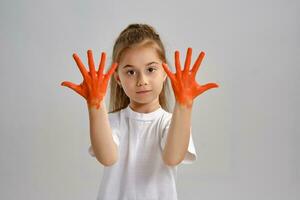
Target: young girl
x=139, y=142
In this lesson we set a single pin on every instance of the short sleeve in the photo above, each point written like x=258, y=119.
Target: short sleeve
x=190, y=155
x=114, y=124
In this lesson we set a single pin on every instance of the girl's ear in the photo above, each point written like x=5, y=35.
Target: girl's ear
x=165, y=76
x=117, y=78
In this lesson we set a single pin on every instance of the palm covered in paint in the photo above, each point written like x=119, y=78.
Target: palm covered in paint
x=94, y=85
x=184, y=85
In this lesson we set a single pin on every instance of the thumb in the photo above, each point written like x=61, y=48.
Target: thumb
x=74, y=87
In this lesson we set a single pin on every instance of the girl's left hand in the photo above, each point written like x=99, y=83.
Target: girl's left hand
x=183, y=82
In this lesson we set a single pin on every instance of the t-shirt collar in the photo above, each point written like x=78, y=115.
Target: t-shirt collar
x=142, y=116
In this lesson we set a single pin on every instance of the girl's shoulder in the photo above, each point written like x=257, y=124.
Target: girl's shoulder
x=166, y=118
x=167, y=113
x=114, y=118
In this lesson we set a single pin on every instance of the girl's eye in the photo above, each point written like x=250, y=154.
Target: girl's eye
x=129, y=72
x=151, y=69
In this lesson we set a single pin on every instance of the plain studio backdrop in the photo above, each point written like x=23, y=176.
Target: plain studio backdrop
x=246, y=133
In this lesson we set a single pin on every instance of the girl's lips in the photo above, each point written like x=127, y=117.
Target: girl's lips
x=141, y=92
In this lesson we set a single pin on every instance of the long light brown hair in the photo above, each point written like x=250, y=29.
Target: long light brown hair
x=136, y=35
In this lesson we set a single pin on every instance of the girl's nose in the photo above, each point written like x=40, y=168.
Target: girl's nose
x=141, y=81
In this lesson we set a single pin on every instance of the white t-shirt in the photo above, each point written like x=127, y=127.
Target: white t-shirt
x=140, y=173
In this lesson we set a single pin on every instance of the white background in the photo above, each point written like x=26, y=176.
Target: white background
x=245, y=132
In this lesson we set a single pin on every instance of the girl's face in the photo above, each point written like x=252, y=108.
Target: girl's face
x=141, y=75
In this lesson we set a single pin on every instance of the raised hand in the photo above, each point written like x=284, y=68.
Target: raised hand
x=94, y=85
x=183, y=82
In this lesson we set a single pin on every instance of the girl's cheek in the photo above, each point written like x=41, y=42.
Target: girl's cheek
x=129, y=82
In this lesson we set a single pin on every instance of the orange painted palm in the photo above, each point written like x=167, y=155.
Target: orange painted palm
x=94, y=85
x=183, y=82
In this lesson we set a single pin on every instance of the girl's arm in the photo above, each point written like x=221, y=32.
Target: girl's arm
x=178, y=136
x=186, y=89
x=93, y=89
x=103, y=145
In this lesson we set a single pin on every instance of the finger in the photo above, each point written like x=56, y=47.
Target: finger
x=81, y=67
x=177, y=65
x=70, y=85
x=210, y=85
x=187, y=61
x=74, y=87
x=167, y=70
x=197, y=63
x=91, y=64
x=111, y=70
x=203, y=88
x=101, y=64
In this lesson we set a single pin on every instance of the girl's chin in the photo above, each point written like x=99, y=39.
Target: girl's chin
x=143, y=100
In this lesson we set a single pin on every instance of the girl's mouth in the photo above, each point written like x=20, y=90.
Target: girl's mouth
x=143, y=92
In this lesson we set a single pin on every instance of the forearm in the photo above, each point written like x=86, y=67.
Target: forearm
x=105, y=149
x=178, y=136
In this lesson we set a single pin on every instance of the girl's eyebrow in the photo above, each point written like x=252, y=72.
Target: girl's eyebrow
x=145, y=65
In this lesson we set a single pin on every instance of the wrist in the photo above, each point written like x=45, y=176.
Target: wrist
x=95, y=105
x=187, y=104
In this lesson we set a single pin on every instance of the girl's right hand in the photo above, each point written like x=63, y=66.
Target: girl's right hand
x=94, y=85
